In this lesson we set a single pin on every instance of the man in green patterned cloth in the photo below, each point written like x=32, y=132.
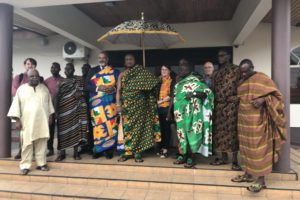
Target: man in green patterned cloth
x=136, y=97
x=193, y=105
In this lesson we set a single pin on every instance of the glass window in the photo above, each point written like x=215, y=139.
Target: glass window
x=295, y=76
x=295, y=56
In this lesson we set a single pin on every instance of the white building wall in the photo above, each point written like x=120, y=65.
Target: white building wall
x=45, y=55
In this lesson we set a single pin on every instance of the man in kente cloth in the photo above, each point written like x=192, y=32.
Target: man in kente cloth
x=72, y=114
x=193, y=105
x=101, y=84
x=32, y=109
x=261, y=125
x=137, y=92
x=224, y=87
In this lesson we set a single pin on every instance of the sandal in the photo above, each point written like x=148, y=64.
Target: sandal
x=256, y=187
x=236, y=167
x=218, y=161
x=180, y=160
x=24, y=171
x=123, y=158
x=43, y=168
x=242, y=178
x=190, y=163
x=138, y=158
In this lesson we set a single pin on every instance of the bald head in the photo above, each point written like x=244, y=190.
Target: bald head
x=33, y=77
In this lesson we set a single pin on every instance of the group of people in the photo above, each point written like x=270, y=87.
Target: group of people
x=229, y=110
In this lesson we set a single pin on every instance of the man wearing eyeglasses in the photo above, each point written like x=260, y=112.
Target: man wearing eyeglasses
x=224, y=86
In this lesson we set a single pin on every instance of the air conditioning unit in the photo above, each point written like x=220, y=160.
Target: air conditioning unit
x=71, y=50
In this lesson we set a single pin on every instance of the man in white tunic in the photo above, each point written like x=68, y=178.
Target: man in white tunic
x=32, y=109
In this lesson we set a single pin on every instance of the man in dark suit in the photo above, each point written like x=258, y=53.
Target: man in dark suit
x=100, y=82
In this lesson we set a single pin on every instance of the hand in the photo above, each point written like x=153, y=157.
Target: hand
x=109, y=89
x=18, y=124
x=106, y=88
x=78, y=94
x=120, y=109
x=189, y=96
x=169, y=117
x=233, y=99
x=258, y=102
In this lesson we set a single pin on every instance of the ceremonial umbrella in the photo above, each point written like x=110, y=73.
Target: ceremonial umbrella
x=143, y=33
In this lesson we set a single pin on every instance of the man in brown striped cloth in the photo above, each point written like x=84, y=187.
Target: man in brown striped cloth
x=261, y=125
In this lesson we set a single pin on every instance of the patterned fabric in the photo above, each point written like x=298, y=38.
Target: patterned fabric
x=156, y=34
x=261, y=131
x=225, y=82
x=140, y=118
x=72, y=119
x=103, y=110
x=165, y=89
x=193, y=117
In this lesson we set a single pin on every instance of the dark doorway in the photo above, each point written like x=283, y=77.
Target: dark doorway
x=157, y=57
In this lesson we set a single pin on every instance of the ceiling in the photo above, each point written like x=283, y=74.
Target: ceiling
x=295, y=13
x=28, y=25
x=168, y=11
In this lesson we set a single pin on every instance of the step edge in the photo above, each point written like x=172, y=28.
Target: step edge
x=55, y=195
x=149, y=181
x=292, y=172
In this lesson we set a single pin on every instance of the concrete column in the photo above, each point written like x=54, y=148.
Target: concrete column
x=281, y=36
x=6, y=27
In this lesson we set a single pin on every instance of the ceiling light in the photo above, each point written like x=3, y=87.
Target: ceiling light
x=110, y=4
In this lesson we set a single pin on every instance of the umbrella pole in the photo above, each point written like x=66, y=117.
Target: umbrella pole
x=143, y=47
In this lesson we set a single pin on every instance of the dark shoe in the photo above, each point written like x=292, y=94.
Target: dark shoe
x=77, y=157
x=24, y=171
x=109, y=154
x=18, y=156
x=50, y=153
x=96, y=155
x=43, y=168
x=60, y=158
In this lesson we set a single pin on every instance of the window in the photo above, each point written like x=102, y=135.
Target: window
x=295, y=75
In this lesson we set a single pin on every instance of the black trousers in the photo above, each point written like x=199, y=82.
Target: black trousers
x=164, y=128
x=51, y=132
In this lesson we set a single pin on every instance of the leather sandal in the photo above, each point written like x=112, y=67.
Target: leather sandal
x=180, y=160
